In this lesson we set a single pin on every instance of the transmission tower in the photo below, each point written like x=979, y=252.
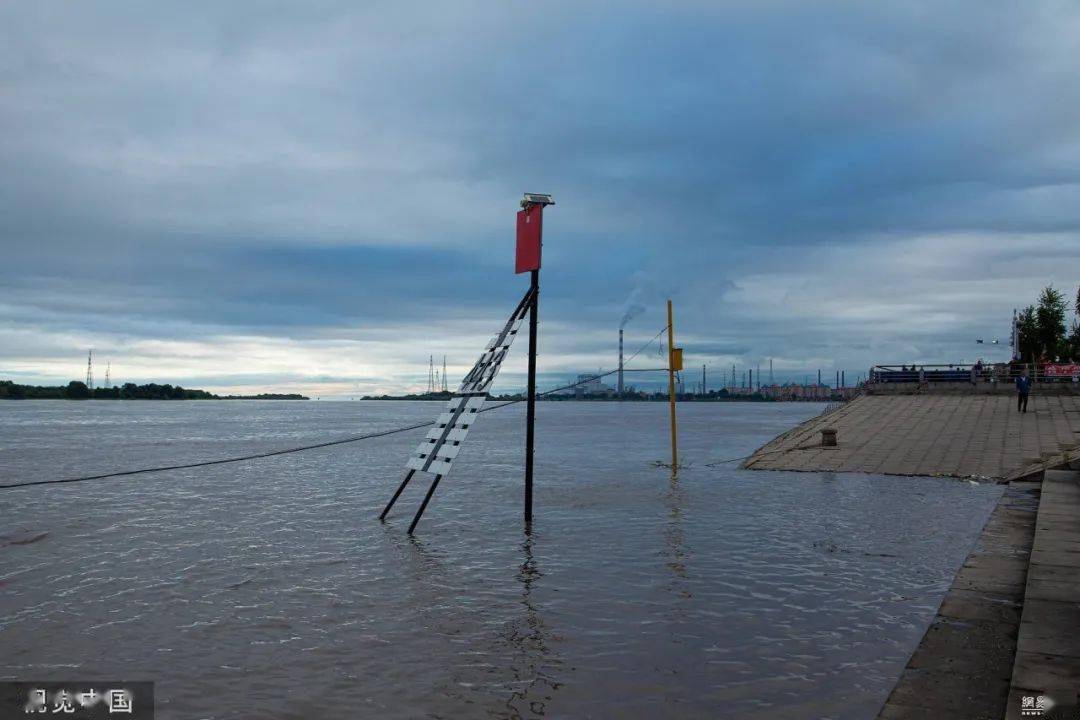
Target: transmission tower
x=108, y=380
x=431, y=374
x=90, y=369
x=444, y=387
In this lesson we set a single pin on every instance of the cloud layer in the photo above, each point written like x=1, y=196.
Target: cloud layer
x=319, y=197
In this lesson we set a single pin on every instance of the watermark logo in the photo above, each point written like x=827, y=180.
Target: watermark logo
x=88, y=701
x=1034, y=705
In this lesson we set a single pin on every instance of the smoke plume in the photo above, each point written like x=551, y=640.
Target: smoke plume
x=633, y=309
x=635, y=303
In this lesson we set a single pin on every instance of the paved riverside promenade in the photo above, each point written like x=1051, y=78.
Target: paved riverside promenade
x=975, y=435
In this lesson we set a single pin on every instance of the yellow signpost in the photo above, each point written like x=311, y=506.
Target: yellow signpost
x=674, y=364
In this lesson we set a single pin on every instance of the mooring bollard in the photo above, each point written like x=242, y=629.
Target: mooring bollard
x=828, y=437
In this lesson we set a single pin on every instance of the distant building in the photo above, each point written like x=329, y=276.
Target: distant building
x=793, y=391
x=591, y=385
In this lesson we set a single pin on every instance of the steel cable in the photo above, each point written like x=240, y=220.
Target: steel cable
x=330, y=443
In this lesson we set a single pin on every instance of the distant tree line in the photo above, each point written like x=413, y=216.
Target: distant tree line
x=1045, y=331
x=77, y=390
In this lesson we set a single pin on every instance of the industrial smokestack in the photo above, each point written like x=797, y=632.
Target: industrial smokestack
x=620, y=364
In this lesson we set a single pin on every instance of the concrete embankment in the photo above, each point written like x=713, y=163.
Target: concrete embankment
x=976, y=435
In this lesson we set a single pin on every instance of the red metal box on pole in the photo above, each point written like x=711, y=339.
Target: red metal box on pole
x=529, y=222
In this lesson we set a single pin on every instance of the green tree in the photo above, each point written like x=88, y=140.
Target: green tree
x=1072, y=343
x=11, y=391
x=77, y=390
x=1027, y=327
x=1050, y=323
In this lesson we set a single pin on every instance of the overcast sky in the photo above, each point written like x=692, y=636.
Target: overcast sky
x=316, y=197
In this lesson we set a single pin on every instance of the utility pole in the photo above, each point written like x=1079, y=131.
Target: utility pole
x=529, y=243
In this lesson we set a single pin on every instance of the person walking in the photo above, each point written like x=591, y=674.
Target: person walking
x=1023, y=387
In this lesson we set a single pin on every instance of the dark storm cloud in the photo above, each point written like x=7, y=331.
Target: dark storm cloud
x=326, y=170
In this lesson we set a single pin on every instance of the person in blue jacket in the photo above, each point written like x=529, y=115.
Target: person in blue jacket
x=1023, y=387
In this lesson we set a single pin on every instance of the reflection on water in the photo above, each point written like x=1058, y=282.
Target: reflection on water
x=537, y=666
x=673, y=536
x=267, y=589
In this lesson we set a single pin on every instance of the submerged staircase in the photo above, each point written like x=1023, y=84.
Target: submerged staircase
x=1006, y=640
x=1046, y=670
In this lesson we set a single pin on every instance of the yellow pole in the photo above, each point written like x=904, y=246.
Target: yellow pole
x=671, y=388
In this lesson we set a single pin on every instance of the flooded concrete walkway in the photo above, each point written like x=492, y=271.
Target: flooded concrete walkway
x=971, y=436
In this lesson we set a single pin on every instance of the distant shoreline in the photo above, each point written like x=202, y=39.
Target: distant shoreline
x=654, y=397
x=76, y=390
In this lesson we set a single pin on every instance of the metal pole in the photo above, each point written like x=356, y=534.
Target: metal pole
x=671, y=388
x=423, y=505
x=530, y=412
x=397, y=494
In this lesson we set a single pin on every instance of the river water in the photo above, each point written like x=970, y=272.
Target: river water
x=268, y=589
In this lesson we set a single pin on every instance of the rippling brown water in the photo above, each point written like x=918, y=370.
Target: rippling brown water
x=269, y=590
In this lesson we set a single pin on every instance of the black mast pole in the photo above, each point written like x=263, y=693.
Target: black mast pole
x=529, y=243
x=530, y=413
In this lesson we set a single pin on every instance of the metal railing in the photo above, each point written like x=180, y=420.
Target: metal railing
x=974, y=373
